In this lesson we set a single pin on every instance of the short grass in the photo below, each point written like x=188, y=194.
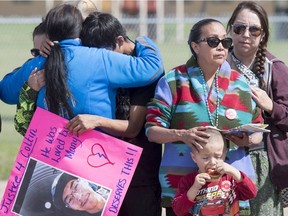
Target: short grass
x=15, y=44
x=9, y=145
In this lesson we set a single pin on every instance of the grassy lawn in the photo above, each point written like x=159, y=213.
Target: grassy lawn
x=16, y=42
x=9, y=145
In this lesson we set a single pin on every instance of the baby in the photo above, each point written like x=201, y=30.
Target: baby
x=216, y=187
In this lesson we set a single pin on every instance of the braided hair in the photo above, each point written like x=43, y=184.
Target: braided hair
x=258, y=67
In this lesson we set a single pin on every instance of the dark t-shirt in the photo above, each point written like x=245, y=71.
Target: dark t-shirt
x=147, y=171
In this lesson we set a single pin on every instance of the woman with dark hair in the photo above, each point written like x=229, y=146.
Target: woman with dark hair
x=81, y=79
x=268, y=78
x=62, y=22
x=38, y=36
x=143, y=196
x=202, y=92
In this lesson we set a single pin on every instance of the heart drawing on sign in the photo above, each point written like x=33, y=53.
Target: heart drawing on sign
x=98, y=157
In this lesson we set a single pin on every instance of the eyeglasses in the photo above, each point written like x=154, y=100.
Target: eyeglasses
x=241, y=28
x=69, y=199
x=35, y=52
x=214, y=42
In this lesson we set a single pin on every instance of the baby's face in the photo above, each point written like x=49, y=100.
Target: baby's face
x=209, y=156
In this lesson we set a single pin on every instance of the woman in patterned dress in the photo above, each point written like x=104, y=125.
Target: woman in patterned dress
x=202, y=92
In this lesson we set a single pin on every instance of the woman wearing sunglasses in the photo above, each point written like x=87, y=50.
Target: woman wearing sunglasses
x=202, y=92
x=268, y=78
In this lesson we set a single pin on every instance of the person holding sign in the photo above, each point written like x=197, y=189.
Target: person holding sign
x=202, y=92
x=222, y=185
x=102, y=30
x=143, y=195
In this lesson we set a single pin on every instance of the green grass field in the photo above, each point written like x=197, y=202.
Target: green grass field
x=15, y=45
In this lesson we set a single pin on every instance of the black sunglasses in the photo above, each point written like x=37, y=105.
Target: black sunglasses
x=35, y=52
x=214, y=42
x=241, y=28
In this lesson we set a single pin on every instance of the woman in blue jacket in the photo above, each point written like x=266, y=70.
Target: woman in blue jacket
x=81, y=79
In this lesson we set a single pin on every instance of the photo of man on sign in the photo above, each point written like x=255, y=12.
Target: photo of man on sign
x=48, y=191
x=58, y=174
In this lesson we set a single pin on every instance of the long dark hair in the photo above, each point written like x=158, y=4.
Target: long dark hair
x=253, y=6
x=196, y=31
x=62, y=22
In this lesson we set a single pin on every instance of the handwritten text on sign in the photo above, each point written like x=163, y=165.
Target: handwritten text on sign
x=88, y=156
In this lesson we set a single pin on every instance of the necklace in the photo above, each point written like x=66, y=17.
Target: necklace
x=246, y=71
x=206, y=96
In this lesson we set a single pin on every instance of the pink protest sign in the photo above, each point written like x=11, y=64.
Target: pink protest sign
x=57, y=173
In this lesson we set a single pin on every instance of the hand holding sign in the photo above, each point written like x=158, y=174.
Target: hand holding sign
x=86, y=157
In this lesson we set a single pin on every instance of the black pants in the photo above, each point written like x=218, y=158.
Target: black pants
x=142, y=201
x=170, y=212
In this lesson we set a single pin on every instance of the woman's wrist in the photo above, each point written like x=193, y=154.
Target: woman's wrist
x=255, y=139
x=179, y=135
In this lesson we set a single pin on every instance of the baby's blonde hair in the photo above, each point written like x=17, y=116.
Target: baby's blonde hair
x=216, y=137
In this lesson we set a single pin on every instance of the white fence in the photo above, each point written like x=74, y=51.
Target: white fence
x=170, y=32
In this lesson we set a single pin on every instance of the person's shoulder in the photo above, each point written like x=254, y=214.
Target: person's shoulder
x=225, y=67
x=94, y=51
x=146, y=41
x=180, y=69
x=30, y=64
x=277, y=64
x=271, y=57
x=229, y=73
x=175, y=73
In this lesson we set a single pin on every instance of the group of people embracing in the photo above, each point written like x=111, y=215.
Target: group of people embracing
x=231, y=79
